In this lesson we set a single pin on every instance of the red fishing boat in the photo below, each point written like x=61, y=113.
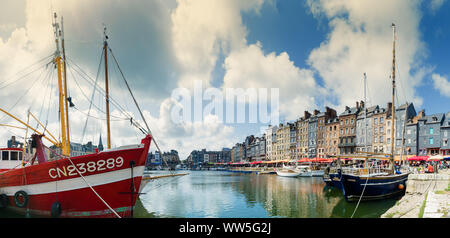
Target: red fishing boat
x=99, y=184
x=103, y=184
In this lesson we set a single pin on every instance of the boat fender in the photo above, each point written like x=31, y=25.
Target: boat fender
x=56, y=210
x=401, y=186
x=4, y=201
x=24, y=196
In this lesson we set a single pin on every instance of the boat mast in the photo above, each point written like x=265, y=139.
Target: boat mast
x=108, y=128
x=62, y=98
x=65, y=86
x=393, y=98
x=365, y=114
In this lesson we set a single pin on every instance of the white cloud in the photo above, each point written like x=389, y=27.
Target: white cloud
x=442, y=84
x=186, y=136
x=436, y=4
x=360, y=41
x=249, y=67
x=204, y=29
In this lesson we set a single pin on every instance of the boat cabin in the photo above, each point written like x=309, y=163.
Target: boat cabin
x=10, y=158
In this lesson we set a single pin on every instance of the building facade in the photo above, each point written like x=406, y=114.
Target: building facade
x=331, y=137
x=322, y=119
x=312, y=135
x=379, y=129
x=403, y=114
x=271, y=137
x=364, y=131
x=302, y=135
x=347, y=129
x=429, y=134
x=445, y=135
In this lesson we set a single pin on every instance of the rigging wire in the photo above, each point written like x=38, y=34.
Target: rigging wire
x=25, y=93
x=139, y=109
x=92, y=97
x=23, y=70
x=111, y=99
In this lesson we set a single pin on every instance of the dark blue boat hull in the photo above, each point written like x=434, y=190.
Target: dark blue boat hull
x=377, y=187
x=334, y=180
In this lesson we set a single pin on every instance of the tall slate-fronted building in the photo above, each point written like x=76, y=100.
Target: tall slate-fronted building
x=411, y=136
x=403, y=114
x=445, y=135
x=312, y=135
x=364, y=128
x=430, y=134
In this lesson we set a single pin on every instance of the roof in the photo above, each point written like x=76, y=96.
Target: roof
x=369, y=110
x=434, y=118
x=349, y=111
x=446, y=122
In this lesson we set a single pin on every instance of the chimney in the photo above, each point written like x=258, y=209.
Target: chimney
x=421, y=113
x=316, y=112
x=347, y=108
x=357, y=105
x=307, y=114
x=389, y=109
x=362, y=104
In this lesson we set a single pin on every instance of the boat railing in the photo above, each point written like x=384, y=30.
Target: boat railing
x=361, y=171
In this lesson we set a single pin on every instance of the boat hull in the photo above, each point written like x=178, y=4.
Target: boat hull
x=377, y=187
x=289, y=173
x=110, y=178
x=334, y=180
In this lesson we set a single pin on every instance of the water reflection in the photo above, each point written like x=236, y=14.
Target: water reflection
x=223, y=194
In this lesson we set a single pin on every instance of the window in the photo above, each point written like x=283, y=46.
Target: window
x=346, y=122
x=5, y=155
x=375, y=121
x=14, y=155
x=381, y=120
x=408, y=131
x=431, y=131
x=381, y=129
x=381, y=139
x=431, y=141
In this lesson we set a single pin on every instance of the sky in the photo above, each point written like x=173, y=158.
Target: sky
x=314, y=52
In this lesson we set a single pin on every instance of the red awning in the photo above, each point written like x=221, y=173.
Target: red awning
x=256, y=162
x=418, y=158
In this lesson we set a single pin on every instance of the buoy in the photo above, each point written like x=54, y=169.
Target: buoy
x=17, y=198
x=401, y=186
x=56, y=209
x=4, y=201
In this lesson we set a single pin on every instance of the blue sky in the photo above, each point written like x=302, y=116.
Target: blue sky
x=314, y=51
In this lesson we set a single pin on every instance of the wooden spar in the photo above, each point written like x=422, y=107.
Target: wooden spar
x=393, y=99
x=45, y=129
x=108, y=128
x=28, y=126
x=64, y=140
x=65, y=88
x=17, y=127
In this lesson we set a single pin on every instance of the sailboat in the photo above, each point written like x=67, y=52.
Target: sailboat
x=101, y=184
x=370, y=182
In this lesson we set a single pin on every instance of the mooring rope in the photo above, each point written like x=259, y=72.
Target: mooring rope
x=364, y=188
x=93, y=190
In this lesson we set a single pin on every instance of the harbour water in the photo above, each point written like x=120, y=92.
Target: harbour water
x=217, y=194
x=204, y=194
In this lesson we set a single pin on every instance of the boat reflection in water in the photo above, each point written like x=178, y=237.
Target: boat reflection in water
x=227, y=195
